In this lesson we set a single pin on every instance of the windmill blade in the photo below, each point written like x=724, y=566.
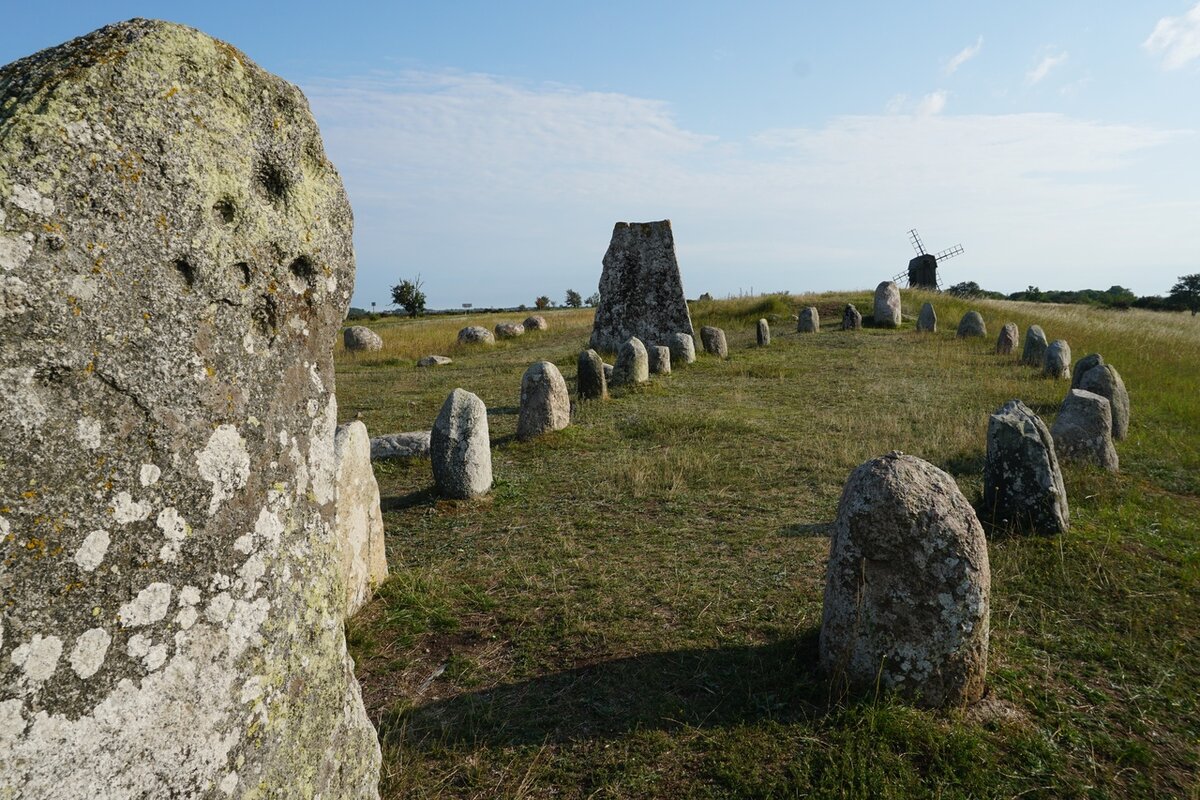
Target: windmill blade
x=949, y=252
x=916, y=242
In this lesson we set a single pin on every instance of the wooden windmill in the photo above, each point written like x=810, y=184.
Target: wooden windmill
x=922, y=270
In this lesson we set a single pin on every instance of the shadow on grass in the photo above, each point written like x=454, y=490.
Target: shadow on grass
x=422, y=497
x=665, y=691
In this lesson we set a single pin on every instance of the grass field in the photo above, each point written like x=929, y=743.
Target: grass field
x=633, y=611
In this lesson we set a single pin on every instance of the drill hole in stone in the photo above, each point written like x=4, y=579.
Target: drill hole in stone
x=186, y=271
x=304, y=269
x=224, y=210
x=274, y=182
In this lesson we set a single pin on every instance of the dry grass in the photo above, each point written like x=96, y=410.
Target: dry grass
x=632, y=612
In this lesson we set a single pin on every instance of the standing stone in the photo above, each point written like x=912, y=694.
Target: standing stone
x=683, y=348
x=810, y=320
x=660, y=359
x=713, y=340
x=1006, y=343
x=851, y=318
x=475, y=334
x=1082, y=366
x=971, y=325
x=434, y=361
x=357, y=338
x=1034, y=352
x=590, y=376
x=460, y=449
x=1105, y=381
x=509, y=330
x=536, y=322
x=927, y=319
x=608, y=374
x=633, y=363
x=908, y=585
x=1022, y=485
x=1057, y=361
x=887, y=305
x=359, y=520
x=641, y=293
x=1083, y=430
x=176, y=252
x=763, y=333
x=545, y=402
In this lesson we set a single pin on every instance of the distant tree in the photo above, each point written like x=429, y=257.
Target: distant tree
x=965, y=289
x=408, y=295
x=542, y=302
x=574, y=299
x=593, y=299
x=1187, y=292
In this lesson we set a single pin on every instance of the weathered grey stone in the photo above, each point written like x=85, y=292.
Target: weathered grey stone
x=1034, y=352
x=683, y=348
x=509, y=330
x=545, y=402
x=762, y=333
x=633, y=363
x=1083, y=430
x=1105, y=381
x=434, y=361
x=1057, y=361
x=608, y=374
x=359, y=519
x=927, y=319
x=412, y=444
x=851, y=318
x=887, y=305
x=908, y=585
x=1022, y=483
x=810, y=320
x=590, y=378
x=971, y=325
x=475, y=334
x=460, y=449
x=356, y=338
x=172, y=615
x=1082, y=366
x=641, y=293
x=536, y=322
x=660, y=359
x=1006, y=342
x=713, y=340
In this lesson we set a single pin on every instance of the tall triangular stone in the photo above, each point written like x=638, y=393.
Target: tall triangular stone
x=641, y=292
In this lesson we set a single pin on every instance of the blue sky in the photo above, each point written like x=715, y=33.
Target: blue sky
x=490, y=146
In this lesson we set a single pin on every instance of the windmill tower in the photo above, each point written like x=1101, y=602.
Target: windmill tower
x=922, y=270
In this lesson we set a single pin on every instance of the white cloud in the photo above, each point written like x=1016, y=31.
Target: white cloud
x=497, y=191
x=1176, y=39
x=1044, y=66
x=932, y=103
x=897, y=103
x=963, y=56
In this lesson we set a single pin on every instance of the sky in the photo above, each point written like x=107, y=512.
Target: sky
x=490, y=147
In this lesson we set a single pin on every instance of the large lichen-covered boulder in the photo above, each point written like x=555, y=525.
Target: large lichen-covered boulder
x=1006, y=342
x=851, y=318
x=971, y=325
x=460, y=449
x=545, y=401
x=1105, y=381
x=1082, y=430
x=682, y=347
x=358, y=338
x=641, y=292
x=633, y=363
x=359, y=518
x=908, y=585
x=1022, y=483
x=177, y=259
x=1034, y=351
x=810, y=320
x=589, y=377
x=887, y=305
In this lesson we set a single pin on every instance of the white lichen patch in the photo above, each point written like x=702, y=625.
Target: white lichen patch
x=127, y=510
x=14, y=293
x=39, y=658
x=31, y=200
x=91, y=552
x=156, y=657
x=224, y=463
x=149, y=475
x=12, y=723
x=244, y=543
x=322, y=461
x=175, y=529
x=88, y=654
x=186, y=617
x=315, y=377
x=218, y=608
x=229, y=784
x=148, y=607
x=82, y=288
x=87, y=431
x=251, y=573
x=21, y=404
x=138, y=645
x=15, y=251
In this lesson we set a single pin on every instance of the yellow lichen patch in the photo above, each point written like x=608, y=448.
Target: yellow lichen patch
x=174, y=90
